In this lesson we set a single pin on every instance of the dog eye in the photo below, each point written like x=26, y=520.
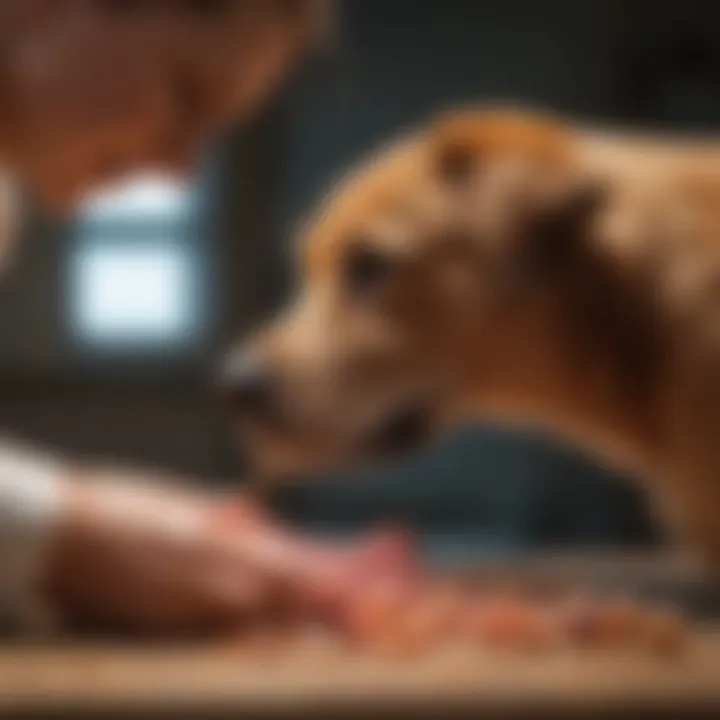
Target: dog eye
x=366, y=270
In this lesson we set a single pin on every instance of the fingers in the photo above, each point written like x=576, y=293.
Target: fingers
x=227, y=597
x=235, y=512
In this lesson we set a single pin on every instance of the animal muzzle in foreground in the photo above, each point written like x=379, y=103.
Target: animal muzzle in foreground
x=286, y=438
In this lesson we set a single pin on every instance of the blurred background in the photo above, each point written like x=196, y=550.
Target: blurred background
x=112, y=320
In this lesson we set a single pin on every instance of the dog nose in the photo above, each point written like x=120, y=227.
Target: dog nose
x=246, y=383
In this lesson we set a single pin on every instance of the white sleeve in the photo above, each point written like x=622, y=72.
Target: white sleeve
x=29, y=501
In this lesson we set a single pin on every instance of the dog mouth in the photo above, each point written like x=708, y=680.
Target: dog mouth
x=403, y=432
x=277, y=440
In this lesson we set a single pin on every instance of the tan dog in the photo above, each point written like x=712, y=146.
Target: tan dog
x=508, y=265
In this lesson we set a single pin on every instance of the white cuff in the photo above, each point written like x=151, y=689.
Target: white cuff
x=30, y=486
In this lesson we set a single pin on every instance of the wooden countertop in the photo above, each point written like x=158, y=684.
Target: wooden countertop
x=114, y=680
x=122, y=681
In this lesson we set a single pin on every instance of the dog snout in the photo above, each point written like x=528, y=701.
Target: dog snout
x=246, y=383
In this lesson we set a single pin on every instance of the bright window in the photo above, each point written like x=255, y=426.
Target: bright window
x=136, y=294
x=135, y=269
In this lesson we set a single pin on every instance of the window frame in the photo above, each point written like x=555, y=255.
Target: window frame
x=235, y=198
x=177, y=230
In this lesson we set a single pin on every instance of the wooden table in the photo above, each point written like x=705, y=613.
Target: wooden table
x=126, y=681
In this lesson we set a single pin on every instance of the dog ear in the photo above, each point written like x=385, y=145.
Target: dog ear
x=549, y=242
x=456, y=155
x=522, y=168
x=555, y=235
x=465, y=141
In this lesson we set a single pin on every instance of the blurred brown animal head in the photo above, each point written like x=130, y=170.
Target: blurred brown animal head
x=426, y=290
x=507, y=265
x=92, y=89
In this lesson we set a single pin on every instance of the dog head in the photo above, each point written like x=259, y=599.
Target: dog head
x=420, y=282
